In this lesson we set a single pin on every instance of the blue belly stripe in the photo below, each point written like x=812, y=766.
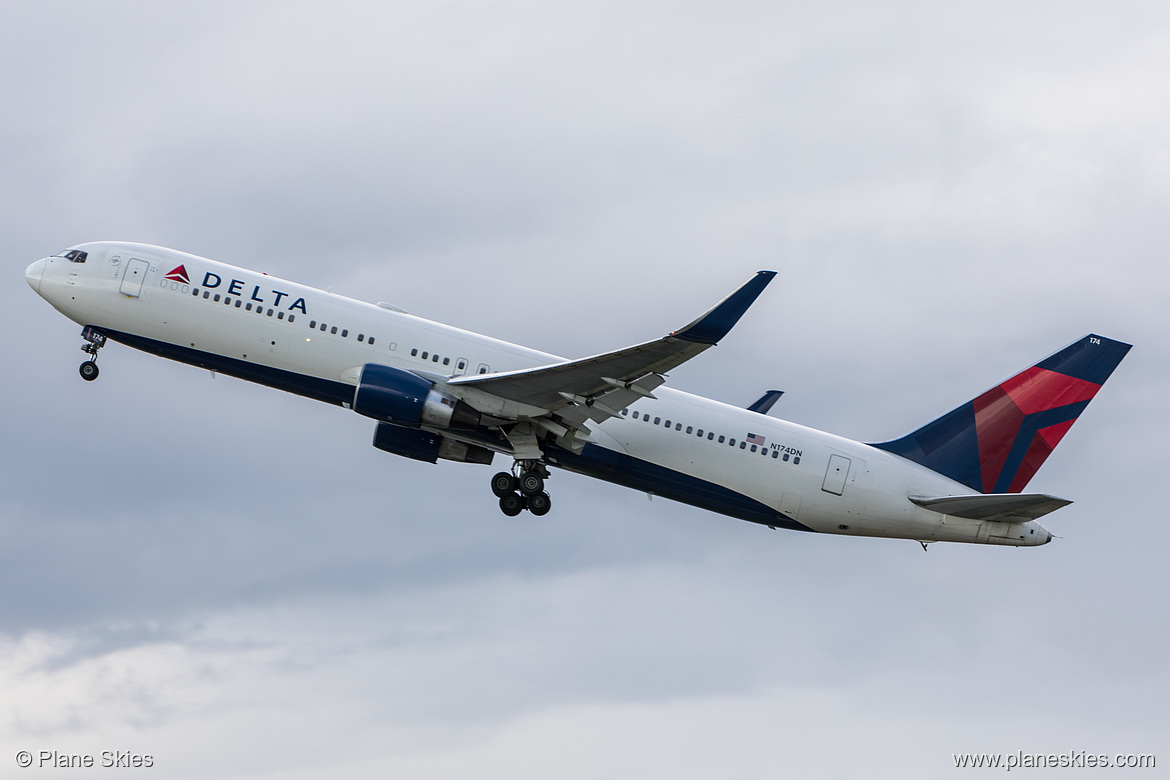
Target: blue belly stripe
x=329, y=391
x=627, y=471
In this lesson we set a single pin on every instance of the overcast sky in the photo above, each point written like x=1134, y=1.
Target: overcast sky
x=233, y=580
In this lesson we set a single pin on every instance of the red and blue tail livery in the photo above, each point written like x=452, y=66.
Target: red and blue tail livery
x=996, y=442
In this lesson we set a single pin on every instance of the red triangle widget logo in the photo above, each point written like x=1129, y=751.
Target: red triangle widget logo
x=179, y=275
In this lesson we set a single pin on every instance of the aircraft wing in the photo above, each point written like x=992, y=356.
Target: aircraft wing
x=1013, y=507
x=602, y=385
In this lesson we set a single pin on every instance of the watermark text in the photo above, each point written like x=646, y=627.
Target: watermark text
x=1081, y=759
x=106, y=759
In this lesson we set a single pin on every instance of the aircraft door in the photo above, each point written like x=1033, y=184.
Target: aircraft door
x=133, y=277
x=835, y=475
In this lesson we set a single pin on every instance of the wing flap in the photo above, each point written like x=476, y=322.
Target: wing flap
x=1017, y=507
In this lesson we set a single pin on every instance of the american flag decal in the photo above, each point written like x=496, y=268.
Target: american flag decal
x=756, y=439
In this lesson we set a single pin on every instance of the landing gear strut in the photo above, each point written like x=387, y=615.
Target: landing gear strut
x=93, y=342
x=522, y=489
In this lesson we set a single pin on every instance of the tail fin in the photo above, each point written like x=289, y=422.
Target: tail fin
x=996, y=442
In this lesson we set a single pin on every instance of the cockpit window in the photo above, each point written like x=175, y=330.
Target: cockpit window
x=74, y=255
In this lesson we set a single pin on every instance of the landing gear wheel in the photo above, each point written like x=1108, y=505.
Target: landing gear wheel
x=94, y=340
x=503, y=484
x=539, y=504
x=531, y=483
x=511, y=504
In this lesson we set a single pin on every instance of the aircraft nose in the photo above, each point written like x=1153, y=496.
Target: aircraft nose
x=33, y=274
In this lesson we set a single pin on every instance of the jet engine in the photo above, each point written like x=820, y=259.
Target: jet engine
x=392, y=395
x=426, y=445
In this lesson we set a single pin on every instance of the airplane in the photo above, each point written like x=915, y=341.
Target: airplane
x=439, y=392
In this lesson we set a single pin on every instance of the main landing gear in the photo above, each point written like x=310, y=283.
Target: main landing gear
x=93, y=342
x=522, y=489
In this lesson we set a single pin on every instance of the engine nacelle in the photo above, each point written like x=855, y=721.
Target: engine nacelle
x=392, y=395
x=427, y=446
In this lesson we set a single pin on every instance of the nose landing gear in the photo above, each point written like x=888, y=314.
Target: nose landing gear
x=526, y=491
x=94, y=341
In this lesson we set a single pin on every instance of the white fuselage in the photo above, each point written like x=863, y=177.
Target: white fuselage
x=315, y=343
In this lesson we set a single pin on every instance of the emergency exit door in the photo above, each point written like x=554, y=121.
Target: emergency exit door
x=133, y=277
x=835, y=475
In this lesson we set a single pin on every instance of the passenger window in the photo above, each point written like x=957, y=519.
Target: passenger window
x=742, y=444
x=323, y=327
x=333, y=330
x=721, y=438
x=484, y=368
x=345, y=333
x=668, y=423
x=216, y=298
x=227, y=300
x=625, y=412
x=292, y=317
x=435, y=358
x=312, y=323
x=371, y=340
x=446, y=361
x=678, y=427
x=786, y=457
x=414, y=353
x=279, y=314
x=425, y=355
x=462, y=364
x=361, y=337
x=690, y=429
x=635, y=415
x=195, y=292
x=657, y=420
x=753, y=447
x=206, y=294
x=270, y=312
x=239, y=303
x=248, y=307
x=775, y=454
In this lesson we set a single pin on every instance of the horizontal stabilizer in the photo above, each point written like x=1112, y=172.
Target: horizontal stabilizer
x=999, y=506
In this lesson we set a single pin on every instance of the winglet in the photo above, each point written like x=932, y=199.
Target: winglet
x=717, y=322
x=766, y=402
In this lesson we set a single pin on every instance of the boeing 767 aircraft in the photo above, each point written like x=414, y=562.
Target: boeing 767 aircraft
x=440, y=392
